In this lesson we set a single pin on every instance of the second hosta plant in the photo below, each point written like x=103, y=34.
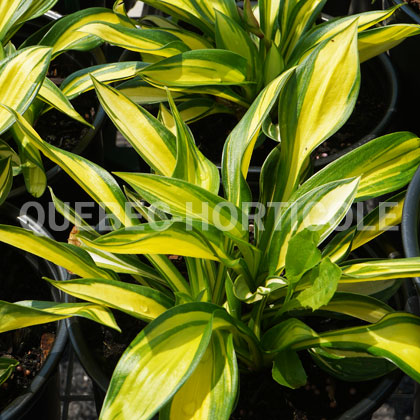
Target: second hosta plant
x=26, y=87
x=217, y=56
x=248, y=286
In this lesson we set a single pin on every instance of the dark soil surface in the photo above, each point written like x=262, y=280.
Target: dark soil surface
x=55, y=127
x=62, y=131
x=108, y=344
x=210, y=134
x=414, y=3
x=323, y=397
x=30, y=346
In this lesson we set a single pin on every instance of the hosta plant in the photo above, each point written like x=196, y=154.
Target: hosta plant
x=25, y=87
x=217, y=57
x=249, y=287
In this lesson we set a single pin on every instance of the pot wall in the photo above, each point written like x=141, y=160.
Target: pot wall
x=42, y=396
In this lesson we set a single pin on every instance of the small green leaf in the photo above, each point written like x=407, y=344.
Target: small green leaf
x=243, y=292
x=302, y=254
x=273, y=65
x=288, y=370
x=7, y=367
x=351, y=366
x=324, y=280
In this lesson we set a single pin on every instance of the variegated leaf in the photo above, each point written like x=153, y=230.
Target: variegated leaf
x=384, y=164
x=54, y=97
x=70, y=257
x=241, y=141
x=152, y=41
x=21, y=76
x=81, y=80
x=152, y=141
x=210, y=391
x=231, y=36
x=6, y=177
x=316, y=102
x=198, y=68
x=191, y=165
x=163, y=237
x=377, y=270
x=395, y=337
x=321, y=209
x=140, y=92
x=158, y=362
x=65, y=34
x=138, y=301
x=189, y=201
x=328, y=29
x=269, y=11
x=97, y=182
x=31, y=312
x=31, y=163
x=300, y=20
x=378, y=40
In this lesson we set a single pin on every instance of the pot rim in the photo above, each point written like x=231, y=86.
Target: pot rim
x=410, y=222
x=408, y=11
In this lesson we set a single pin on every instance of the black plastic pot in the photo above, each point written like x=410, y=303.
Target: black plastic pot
x=87, y=359
x=70, y=6
x=41, y=399
x=410, y=222
x=410, y=237
x=346, y=7
x=91, y=142
x=410, y=14
x=406, y=59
